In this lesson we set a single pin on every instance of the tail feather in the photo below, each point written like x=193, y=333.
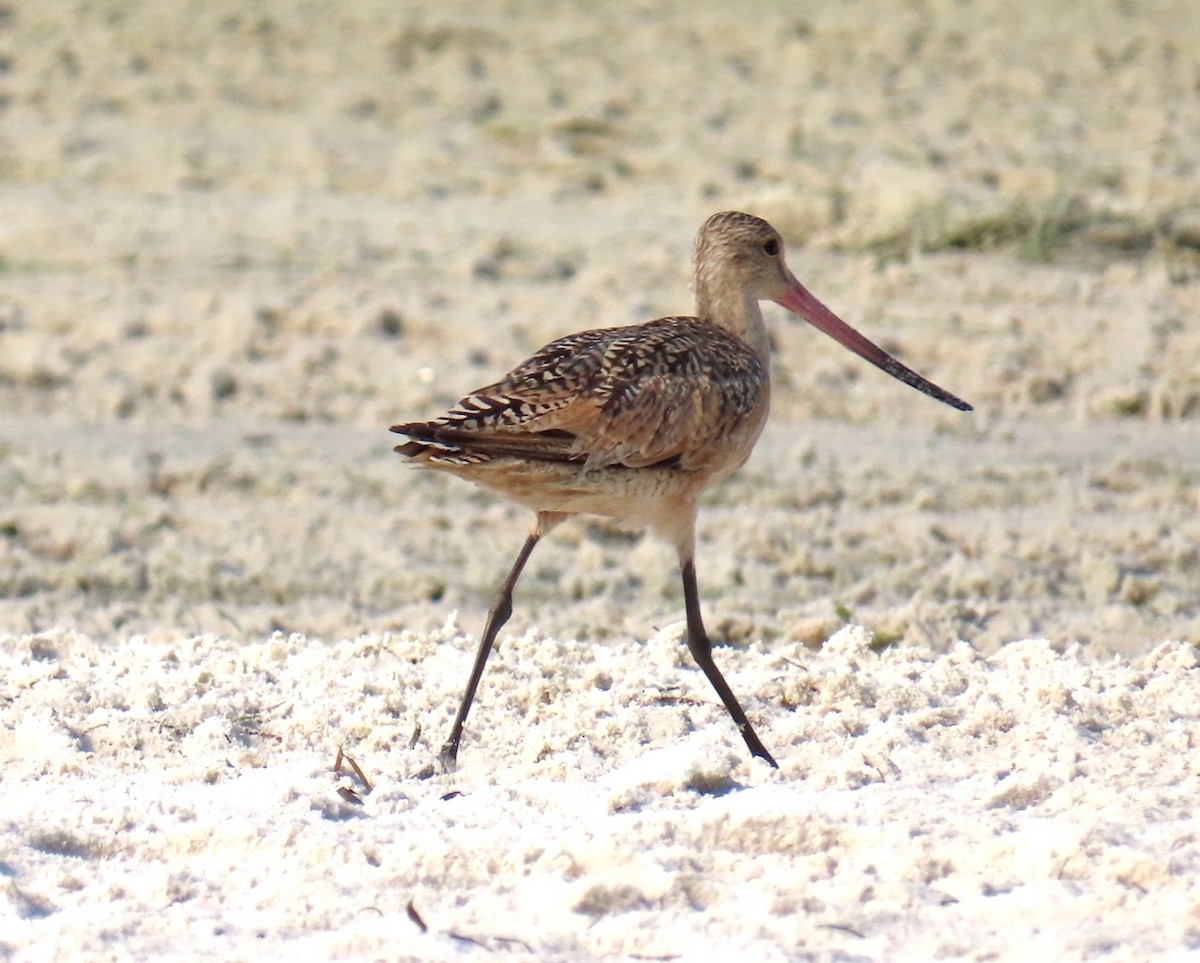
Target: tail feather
x=435, y=441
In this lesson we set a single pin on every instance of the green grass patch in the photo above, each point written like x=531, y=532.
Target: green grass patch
x=1035, y=231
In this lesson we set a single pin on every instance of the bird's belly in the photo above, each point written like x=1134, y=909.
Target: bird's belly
x=632, y=496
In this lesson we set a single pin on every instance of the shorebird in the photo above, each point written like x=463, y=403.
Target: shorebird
x=636, y=422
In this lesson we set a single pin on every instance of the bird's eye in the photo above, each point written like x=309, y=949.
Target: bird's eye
x=771, y=247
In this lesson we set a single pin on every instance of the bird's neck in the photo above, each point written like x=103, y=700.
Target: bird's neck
x=738, y=313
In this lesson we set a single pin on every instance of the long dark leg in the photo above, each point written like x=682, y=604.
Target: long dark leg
x=498, y=614
x=701, y=649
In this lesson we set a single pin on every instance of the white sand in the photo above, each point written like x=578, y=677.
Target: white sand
x=237, y=242
x=180, y=799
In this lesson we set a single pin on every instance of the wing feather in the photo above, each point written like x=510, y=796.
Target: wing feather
x=637, y=396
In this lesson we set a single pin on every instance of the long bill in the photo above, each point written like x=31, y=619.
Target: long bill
x=800, y=302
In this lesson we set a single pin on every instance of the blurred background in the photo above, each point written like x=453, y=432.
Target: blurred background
x=240, y=240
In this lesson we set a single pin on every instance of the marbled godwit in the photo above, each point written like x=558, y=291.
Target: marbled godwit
x=636, y=422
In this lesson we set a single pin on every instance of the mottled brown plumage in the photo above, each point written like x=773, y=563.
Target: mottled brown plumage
x=636, y=422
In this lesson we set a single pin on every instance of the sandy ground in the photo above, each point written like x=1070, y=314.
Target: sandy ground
x=237, y=241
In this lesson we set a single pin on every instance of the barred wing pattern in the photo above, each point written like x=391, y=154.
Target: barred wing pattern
x=640, y=396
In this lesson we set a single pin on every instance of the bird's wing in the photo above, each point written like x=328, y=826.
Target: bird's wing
x=668, y=392
x=635, y=396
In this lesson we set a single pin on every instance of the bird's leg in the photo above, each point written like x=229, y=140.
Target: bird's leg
x=498, y=614
x=701, y=649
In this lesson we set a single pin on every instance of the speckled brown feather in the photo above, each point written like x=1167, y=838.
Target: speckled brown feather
x=637, y=396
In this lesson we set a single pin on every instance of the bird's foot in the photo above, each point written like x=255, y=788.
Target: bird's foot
x=754, y=744
x=446, y=762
